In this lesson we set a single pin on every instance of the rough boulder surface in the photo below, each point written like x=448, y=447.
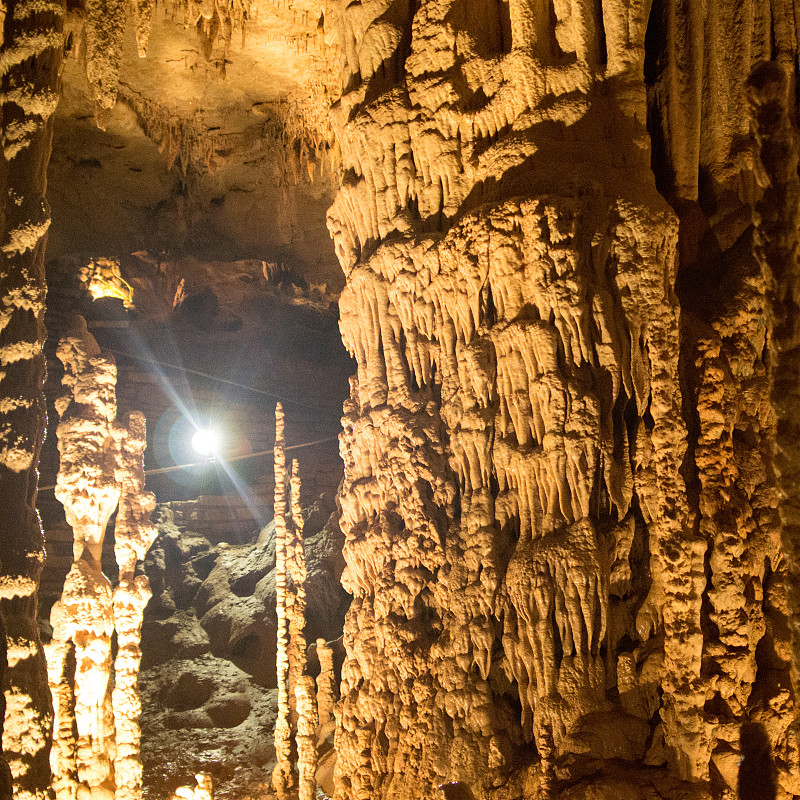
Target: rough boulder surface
x=209, y=639
x=567, y=238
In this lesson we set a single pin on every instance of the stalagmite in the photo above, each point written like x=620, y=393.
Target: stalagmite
x=293, y=681
x=283, y=778
x=202, y=790
x=326, y=689
x=133, y=535
x=101, y=467
x=88, y=442
x=307, y=720
x=60, y=655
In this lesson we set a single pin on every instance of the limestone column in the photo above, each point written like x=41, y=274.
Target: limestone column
x=31, y=51
x=303, y=683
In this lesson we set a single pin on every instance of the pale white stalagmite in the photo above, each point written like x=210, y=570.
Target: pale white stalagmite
x=30, y=64
x=60, y=669
x=133, y=535
x=283, y=780
x=89, y=442
x=101, y=466
x=202, y=790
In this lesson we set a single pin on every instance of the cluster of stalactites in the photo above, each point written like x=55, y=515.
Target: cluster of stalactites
x=104, y=29
x=296, y=693
x=101, y=470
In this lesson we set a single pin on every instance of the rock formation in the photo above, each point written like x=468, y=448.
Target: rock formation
x=203, y=790
x=133, y=535
x=569, y=232
x=283, y=776
x=209, y=690
x=326, y=689
x=560, y=499
x=101, y=468
x=30, y=62
x=297, y=702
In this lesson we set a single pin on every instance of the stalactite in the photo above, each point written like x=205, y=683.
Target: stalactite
x=143, y=20
x=105, y=27
x=30, y=68
x=283, y=779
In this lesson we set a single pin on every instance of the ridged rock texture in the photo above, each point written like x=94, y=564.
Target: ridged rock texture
x=96, y=741
x=562, y=505
x=30, y=61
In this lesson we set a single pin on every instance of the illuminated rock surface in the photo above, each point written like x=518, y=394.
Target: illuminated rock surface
x=560, y=501
x=569, y=237
x=96, y=725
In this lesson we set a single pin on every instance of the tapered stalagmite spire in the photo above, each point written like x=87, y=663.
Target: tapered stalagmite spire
x=295, y=686
x=133, y=535
x=296, y=605
x=303, y=683
x=283, y=775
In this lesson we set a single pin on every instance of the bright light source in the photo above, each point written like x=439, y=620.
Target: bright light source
x=206, y=441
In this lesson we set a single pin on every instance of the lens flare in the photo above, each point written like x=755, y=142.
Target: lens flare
x=206, y=441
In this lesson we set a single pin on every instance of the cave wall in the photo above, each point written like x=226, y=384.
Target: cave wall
x=561, y=505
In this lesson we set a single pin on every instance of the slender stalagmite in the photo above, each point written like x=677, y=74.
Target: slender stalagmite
x=303, y=683
x=133, y=534
x=325, y=682
x=30, y=63
x=282, y=775
x=296, y=601
x=60, y=669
